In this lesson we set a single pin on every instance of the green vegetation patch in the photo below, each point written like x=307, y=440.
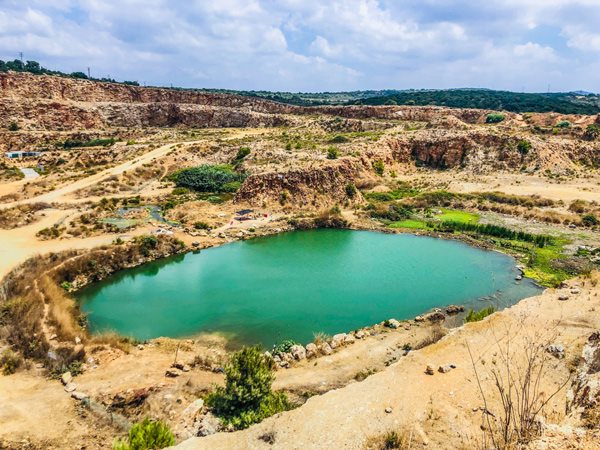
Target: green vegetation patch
x=476, y=316
x=455, y=215
x=247, y=397
x=74, y=143
x=209, y=178
x=411, y=224
x=147, y=435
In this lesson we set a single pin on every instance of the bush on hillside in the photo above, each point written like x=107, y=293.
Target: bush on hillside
x=147, y=435
x=247, y=397
x=209, y=178
x=494, y=118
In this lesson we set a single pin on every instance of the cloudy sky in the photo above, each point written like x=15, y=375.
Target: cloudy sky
x=314, y=45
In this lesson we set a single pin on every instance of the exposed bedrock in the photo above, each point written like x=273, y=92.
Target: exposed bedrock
x=316, y=187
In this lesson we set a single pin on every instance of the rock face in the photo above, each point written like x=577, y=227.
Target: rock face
x=319, y=186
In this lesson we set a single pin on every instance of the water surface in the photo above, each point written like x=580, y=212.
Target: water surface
x=296, y=284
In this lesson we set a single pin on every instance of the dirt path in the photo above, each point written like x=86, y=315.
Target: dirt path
x=426, y=406
x=60, y=193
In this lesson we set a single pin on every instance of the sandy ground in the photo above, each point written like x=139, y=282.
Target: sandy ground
x=573, y=189
x=428, y=407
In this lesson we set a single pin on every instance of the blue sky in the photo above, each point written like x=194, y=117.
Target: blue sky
x=314, y=45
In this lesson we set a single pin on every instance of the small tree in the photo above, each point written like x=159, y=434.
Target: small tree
x=524, y=147
x=379, y=167
x=13, y=126
x=147, y=435
x=246, y=397
x=332, y=153
x=592, y=132
x=350, y=190
x=494, y=118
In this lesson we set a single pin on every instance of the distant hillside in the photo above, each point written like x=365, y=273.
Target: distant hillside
x=577, y=102
x=564, y=103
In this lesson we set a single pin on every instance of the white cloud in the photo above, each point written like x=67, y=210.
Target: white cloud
x=314, y=45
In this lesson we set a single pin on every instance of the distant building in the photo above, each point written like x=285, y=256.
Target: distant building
x=20, y=154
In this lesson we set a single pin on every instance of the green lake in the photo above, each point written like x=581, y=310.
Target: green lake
x=296, y=284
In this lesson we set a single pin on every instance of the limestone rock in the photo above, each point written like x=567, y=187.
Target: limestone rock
x=557, y=350
x=298, y=352
x=311, y=350
x=454, y=309
x=77, y=395
x=436, y=316
x=209, y=424
x=70, y=387
x=393, y=323
x=360, y=334
x=325, y=348
x=429, y=369
x=66, y=378
x=337, y=340
x=172, y=373
x=349, y=339
x=563, y=297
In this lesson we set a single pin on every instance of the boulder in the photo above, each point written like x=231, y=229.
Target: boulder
x=419, y=319
x=557, y=350
x=436, y=316
x=325, y=348
x=298, y=352
x=349, y=339
x=172, y=373
x=392, y=323
x=66, y=378
x=337, y=340
x=311, y=350
x=70, y=387
x=77, y=395
x=563, y=297
x=209, y=424
x=429, y=369
x=454, y=309
x=360, y=334
x=445, y=369
x=190, y=412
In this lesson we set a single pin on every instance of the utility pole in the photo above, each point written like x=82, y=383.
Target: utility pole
x=21, y=56
x=89, y=76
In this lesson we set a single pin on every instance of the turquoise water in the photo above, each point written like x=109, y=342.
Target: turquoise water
x=296, y=284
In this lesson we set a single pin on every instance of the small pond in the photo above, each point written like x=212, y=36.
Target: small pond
x=295, y=284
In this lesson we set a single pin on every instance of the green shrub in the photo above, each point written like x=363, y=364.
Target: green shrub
x=350, y=190
x=563, y=124
x=147, y=243
x=540, y=240
x=241, y=154
x=247, y=397
x=283, y=346
x=592, y=132
x=524, y=147
x=179, y=191
x=10, y=362
x=379, y=167
x=473, y=316
x=339, y=139
x=494, y=118
x=392, y=212
x=209, y=178
x=147, y=435
x=66, y=285
x=72, y=143
x=332, y=153
x=201, y=226
x=589, y=220
x=13, y=126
